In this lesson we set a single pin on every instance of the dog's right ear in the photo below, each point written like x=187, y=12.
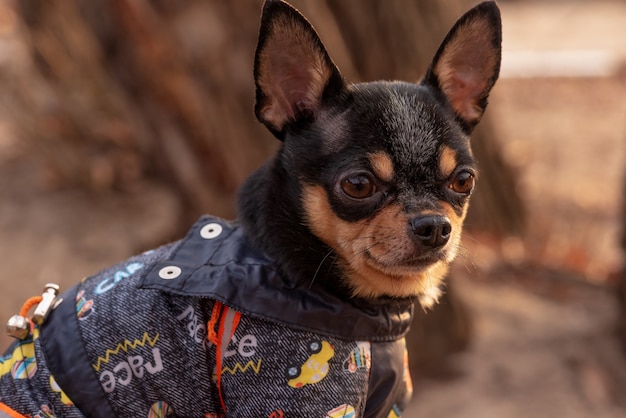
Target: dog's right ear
x=292, y=70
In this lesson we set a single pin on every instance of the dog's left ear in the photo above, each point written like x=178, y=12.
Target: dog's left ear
x=467, y=64
x=292, y=70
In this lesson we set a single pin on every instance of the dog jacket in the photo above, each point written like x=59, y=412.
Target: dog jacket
x=208, y=327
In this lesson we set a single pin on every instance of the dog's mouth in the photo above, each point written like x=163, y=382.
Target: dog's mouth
x=407, y=265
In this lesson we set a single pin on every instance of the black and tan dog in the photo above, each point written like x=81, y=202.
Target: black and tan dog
x=299, y=310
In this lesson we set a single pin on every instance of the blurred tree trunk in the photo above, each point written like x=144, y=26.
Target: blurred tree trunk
x=117, y=91
x=128, y=90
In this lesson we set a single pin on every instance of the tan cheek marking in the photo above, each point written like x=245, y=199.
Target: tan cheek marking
x=387, y=229
x=334, y=231
x=352, y=239
x=456, y=222
x=382, y=165
x=447, y=161
x=343, y=237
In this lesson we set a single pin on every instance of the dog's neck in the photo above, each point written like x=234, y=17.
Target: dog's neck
x=270, y=210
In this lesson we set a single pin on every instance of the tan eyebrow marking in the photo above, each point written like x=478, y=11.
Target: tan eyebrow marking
x=382, y=165
x=447, y=160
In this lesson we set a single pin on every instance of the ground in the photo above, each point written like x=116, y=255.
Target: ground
x=543, y=310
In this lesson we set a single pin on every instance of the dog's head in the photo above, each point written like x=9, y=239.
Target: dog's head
x=380, y=172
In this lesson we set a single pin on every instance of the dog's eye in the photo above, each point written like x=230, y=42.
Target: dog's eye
x=463, y=182
x=358, y=187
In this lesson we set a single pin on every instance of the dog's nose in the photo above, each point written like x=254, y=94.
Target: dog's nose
x=431, y=230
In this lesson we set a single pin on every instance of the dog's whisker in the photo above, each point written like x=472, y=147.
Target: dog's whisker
x=319, y=266
x=465, y=257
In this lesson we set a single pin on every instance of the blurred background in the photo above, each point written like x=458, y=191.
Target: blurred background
x=122, y=121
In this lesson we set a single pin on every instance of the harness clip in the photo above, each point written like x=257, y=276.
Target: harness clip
x=47, y=303
x=18, y=327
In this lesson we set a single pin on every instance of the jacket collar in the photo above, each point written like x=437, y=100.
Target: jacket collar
x=216, y=261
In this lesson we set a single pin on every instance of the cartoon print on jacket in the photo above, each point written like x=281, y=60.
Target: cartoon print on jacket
x=21, y=363
x=160, y=409
x=315, y=368
x=83, y=307
x=342, y=411
x=360, y=357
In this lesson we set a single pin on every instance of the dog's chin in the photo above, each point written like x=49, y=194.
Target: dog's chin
x=421, y=278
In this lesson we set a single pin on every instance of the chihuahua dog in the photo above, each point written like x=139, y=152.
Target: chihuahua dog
x=300, y=308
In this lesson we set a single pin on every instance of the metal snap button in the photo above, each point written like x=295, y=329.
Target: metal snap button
x=210, y=231
x=170, y=272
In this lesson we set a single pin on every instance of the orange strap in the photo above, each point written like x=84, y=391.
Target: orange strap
x=210, y=326
x=10, y=412
x=30, y=302
x=226, y=319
